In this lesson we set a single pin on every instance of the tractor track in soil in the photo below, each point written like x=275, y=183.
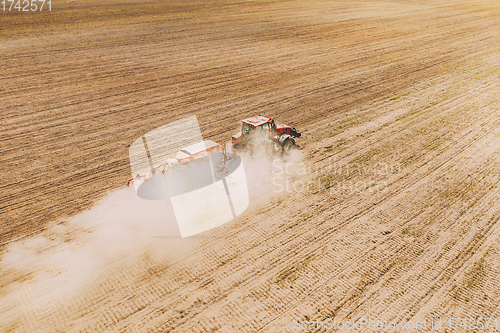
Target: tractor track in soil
x=399, y=228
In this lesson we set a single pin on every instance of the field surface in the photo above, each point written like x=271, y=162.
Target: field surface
x=390, y=212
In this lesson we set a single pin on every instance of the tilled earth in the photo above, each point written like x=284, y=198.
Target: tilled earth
x=391, y=211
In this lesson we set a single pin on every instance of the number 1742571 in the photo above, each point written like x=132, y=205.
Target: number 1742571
x=26, y=5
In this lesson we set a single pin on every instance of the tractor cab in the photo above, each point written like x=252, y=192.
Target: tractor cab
x=264, y=124
x=255, y=127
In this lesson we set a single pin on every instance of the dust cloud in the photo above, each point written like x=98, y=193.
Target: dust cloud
x=72, y=265
x=41, y=275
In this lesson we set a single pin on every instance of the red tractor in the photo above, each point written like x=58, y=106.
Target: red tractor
x=264, y=132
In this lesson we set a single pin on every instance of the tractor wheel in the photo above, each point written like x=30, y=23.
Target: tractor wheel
x=288, y=145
